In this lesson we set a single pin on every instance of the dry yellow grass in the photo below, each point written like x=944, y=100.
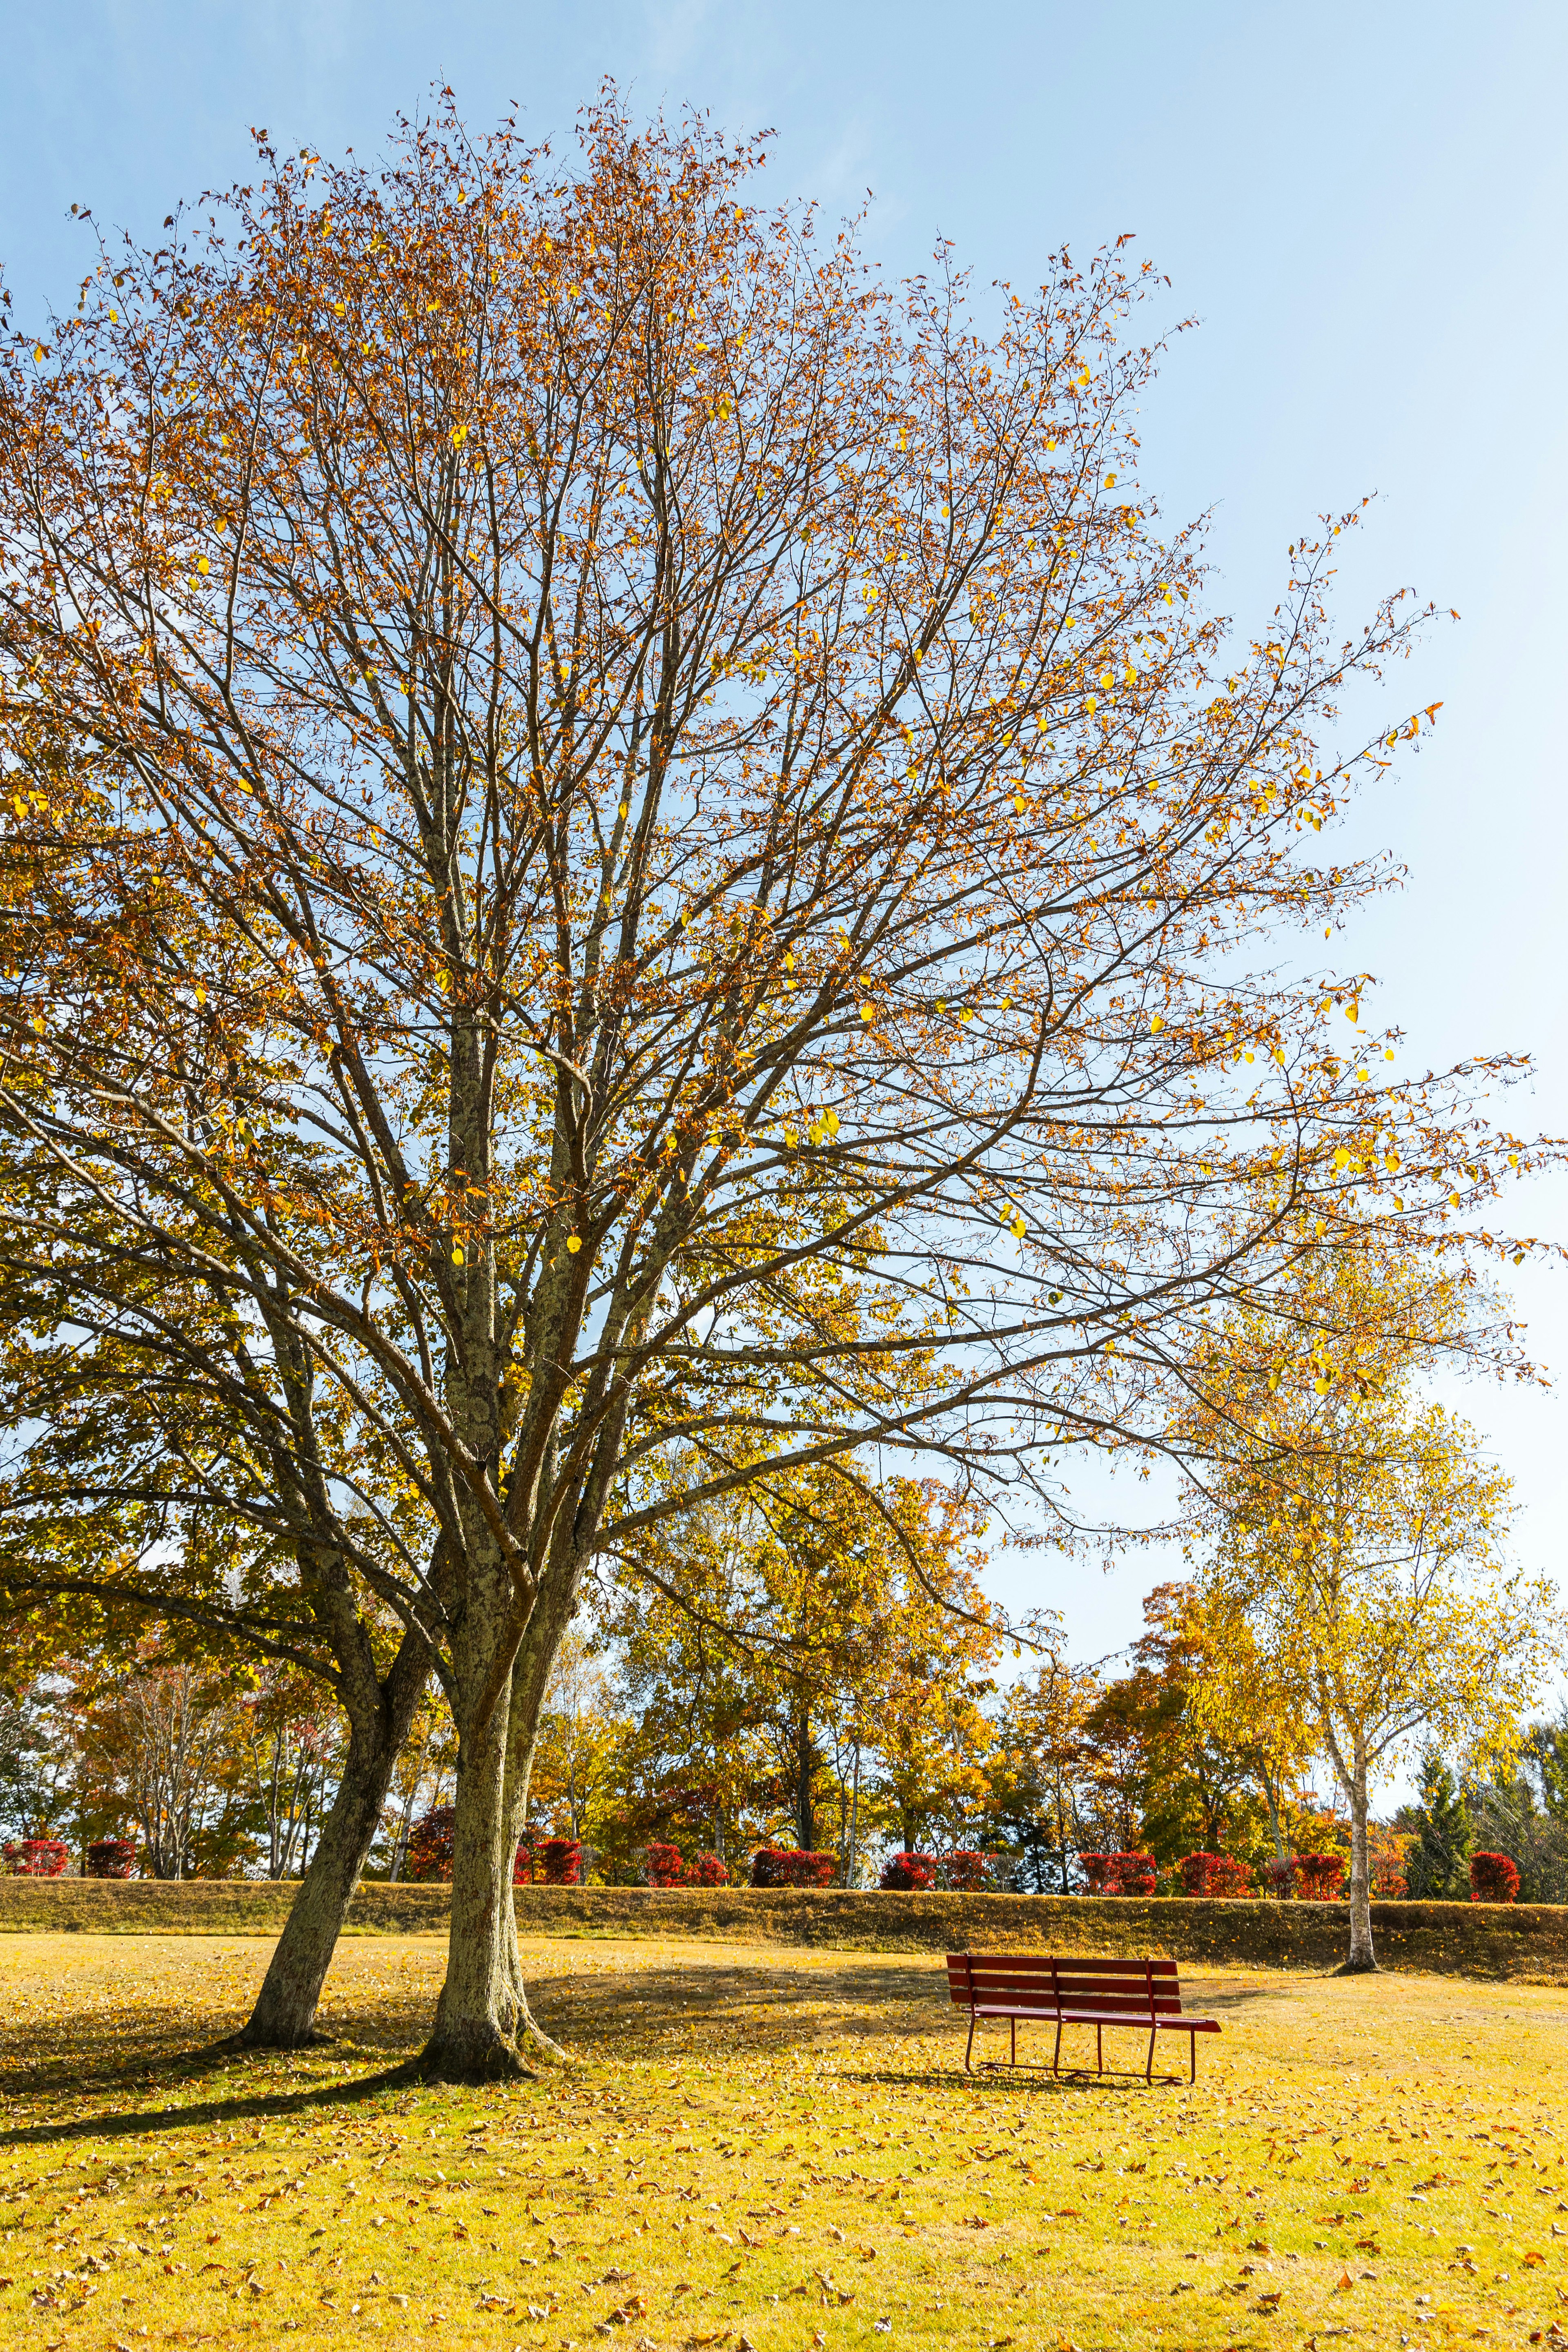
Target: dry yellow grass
x=769, y=2149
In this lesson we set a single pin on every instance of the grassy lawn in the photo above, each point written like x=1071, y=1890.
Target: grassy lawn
x=765, y=2150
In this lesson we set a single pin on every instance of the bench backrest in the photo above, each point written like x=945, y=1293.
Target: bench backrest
x=1050, y=1982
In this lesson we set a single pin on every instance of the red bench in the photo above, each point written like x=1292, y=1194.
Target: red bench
x=1146, y=1994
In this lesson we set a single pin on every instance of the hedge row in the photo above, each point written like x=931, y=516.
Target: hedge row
x=1519, y=1939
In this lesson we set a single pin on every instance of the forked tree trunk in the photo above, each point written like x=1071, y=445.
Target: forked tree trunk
x=474, y=2038
x=1362, y=1959
x=551, y=1614
x=483, y=2031
x=284, y=2017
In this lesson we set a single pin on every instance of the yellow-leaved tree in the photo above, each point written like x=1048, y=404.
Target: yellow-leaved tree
x=1354, y=1574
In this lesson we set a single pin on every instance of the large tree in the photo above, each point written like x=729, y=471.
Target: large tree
x=619, y=835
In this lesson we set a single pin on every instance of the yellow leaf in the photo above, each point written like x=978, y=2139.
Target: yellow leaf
x=573, y=1243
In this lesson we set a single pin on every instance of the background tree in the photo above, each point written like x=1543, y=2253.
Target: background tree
x=1355, y=1534
x=1438, y=1866
x=589, y=784
x=1039, y=1766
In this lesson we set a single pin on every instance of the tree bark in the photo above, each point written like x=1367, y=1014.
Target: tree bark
x=552, y=1612
x=284, y=2017
x=475, y=2034
x=1363, y=1961
x=482, y=2023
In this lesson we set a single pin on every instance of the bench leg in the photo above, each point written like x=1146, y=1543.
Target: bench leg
x=1013, y=2029
x=969, y=2045
x=1100, y=2049
x=1056, y=2053
x=1192, y=2052
x=1149, y=2067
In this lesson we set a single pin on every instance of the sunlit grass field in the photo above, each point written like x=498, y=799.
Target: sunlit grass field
x=766, y=2151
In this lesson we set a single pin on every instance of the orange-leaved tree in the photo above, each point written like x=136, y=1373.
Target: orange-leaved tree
x=620, y=835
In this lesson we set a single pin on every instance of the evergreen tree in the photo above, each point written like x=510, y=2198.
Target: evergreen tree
x=1437, y=1868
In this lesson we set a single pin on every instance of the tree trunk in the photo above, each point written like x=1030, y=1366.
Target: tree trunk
x=475, y=2035
x=806, y=1818
x=482, y=2020
x=852, y=1859
x=284, y=2017
x=1362, y=1959
x=552, y=1612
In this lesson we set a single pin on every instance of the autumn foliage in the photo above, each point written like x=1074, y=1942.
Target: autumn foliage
x=792, y=1866
x=1494, y=1878
x=1119, y=1873
x=1320, y=1876
x=663, y=1865
x=111, y=1857
x=1213, y=1874
x=909, y=1873
x=38, y=1857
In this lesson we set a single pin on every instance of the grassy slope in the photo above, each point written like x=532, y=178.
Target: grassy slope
x=1524, y=1940
x=764, y=2149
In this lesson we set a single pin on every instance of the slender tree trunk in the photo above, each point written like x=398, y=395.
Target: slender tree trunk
x=1362, y=1959
x=852, y=1858
x=805, y=1818
x=284, y=2017
x=1274, y=1830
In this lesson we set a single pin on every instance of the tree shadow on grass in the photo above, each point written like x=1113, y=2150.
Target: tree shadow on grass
x=741, y=2010
x=240, y=2107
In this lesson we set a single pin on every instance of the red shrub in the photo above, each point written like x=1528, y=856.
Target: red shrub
x=562, y=1859
x=429, y=1856
x=774, y=1865
x=909, y=1873
x=663, y=1865
x=707, y=1871
x=36, y=1857
x=1493, y=1878
x=430, y=1845
x=1119, y=1873
x=1130, y=1874
x=1215, y=1875
x=1281, y=1876
x=110, y=1858
x=963, y=1871
x=1321, y=1875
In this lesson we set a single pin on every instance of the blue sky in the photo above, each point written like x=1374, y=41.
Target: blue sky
x=1364, y=209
